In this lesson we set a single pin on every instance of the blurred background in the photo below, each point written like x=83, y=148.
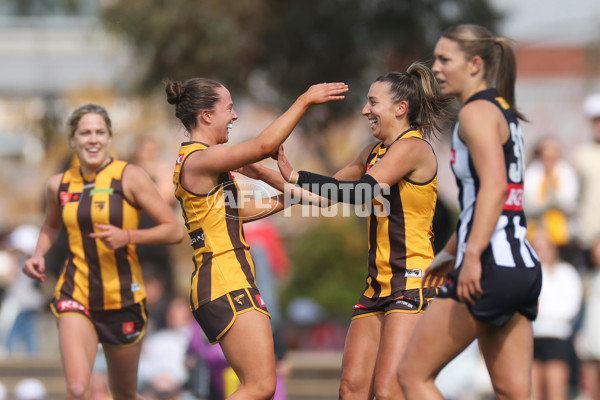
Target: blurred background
x=56, y=55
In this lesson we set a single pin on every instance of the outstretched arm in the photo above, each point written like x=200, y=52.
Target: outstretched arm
x=217, y=159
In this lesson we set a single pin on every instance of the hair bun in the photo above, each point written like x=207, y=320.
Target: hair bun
x=174, y=91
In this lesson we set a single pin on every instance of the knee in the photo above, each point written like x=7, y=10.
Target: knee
x=385, y=392
x=348, y=388
x=76, y=390
x=404, y=375
x=263, y=389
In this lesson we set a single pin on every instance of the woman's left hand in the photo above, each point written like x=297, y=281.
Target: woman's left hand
x=285, y=168
x=112, y=237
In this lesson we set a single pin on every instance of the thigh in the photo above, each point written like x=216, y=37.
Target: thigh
x=442, y=332
x=78, y=342
x=122, y=364
x=397, y=328
x=248, y=347
x=360, y=352
x=508, y=355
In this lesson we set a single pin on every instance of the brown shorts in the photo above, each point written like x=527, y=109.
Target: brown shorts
x=407, y=301
x=216, y=317
x=125, y=326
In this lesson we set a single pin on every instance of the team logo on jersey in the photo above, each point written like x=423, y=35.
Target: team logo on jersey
x=179, y=159
x=99, y=205
x=239, y=299
x=136, y=287
x=68, y=197
x=413, y=273
x=260, y=301
x=514, y=197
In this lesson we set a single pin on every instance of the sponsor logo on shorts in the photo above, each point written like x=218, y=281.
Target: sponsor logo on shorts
x=239, y=299
x=359, y=307
x=413, y=273
x=71, y=305
x=131, y=329
x=405, y=303
x=68, y=197
x=260, y=301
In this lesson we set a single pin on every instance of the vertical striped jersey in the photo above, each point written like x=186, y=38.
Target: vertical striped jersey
x=95, y=276
x=400, y=240
x=508, y=246
x=222, y=261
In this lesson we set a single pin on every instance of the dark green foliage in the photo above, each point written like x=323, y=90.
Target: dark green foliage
x=329, y=264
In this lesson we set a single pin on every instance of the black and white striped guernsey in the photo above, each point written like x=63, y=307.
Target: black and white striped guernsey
x=508, y=246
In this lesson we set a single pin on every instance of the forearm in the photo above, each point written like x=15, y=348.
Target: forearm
x=46, y=239
x=488, y=209
x=163, y=233
x=352, y=192
x=278, y=131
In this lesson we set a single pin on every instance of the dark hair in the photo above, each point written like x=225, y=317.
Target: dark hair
x=191, y=97
x=498, y=56
x=87, y=109
x=427, y=108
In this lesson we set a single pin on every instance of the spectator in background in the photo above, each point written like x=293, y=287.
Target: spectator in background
x=23, y=300
x=551, y=191
x=559, y=305
x=588, y=337
x=587, y=163
x=156, y=261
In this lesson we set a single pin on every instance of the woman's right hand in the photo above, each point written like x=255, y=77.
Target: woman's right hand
x=35, y=268
x=324, y=92
x=284, y=166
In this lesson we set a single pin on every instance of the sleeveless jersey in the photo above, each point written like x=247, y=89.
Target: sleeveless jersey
x=400, y=240
x=222, y=261
x=97, y=277
x=508, y=246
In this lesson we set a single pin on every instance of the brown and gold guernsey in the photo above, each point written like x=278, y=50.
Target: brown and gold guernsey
x=401, y=243
x=222, y=261
x=97, y=277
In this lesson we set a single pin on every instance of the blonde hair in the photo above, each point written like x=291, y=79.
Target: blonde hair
x=88, y=109
x=498, y=56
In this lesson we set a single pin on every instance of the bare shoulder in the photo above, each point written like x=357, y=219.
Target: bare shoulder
x=54, y=182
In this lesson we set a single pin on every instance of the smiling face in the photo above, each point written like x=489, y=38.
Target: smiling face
x=222, y=115
x=91, y=141
x=381, y=110
x=451, y=67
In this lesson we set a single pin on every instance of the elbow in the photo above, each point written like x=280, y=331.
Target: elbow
x=177, y=235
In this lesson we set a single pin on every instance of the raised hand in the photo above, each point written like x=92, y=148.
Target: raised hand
x=324, y=92
x=284, y=166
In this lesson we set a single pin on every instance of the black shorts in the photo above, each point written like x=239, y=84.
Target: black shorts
x=407, y=301
x=506, y=291
x=125, y=326
x=217, y=316
x=545, y=349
